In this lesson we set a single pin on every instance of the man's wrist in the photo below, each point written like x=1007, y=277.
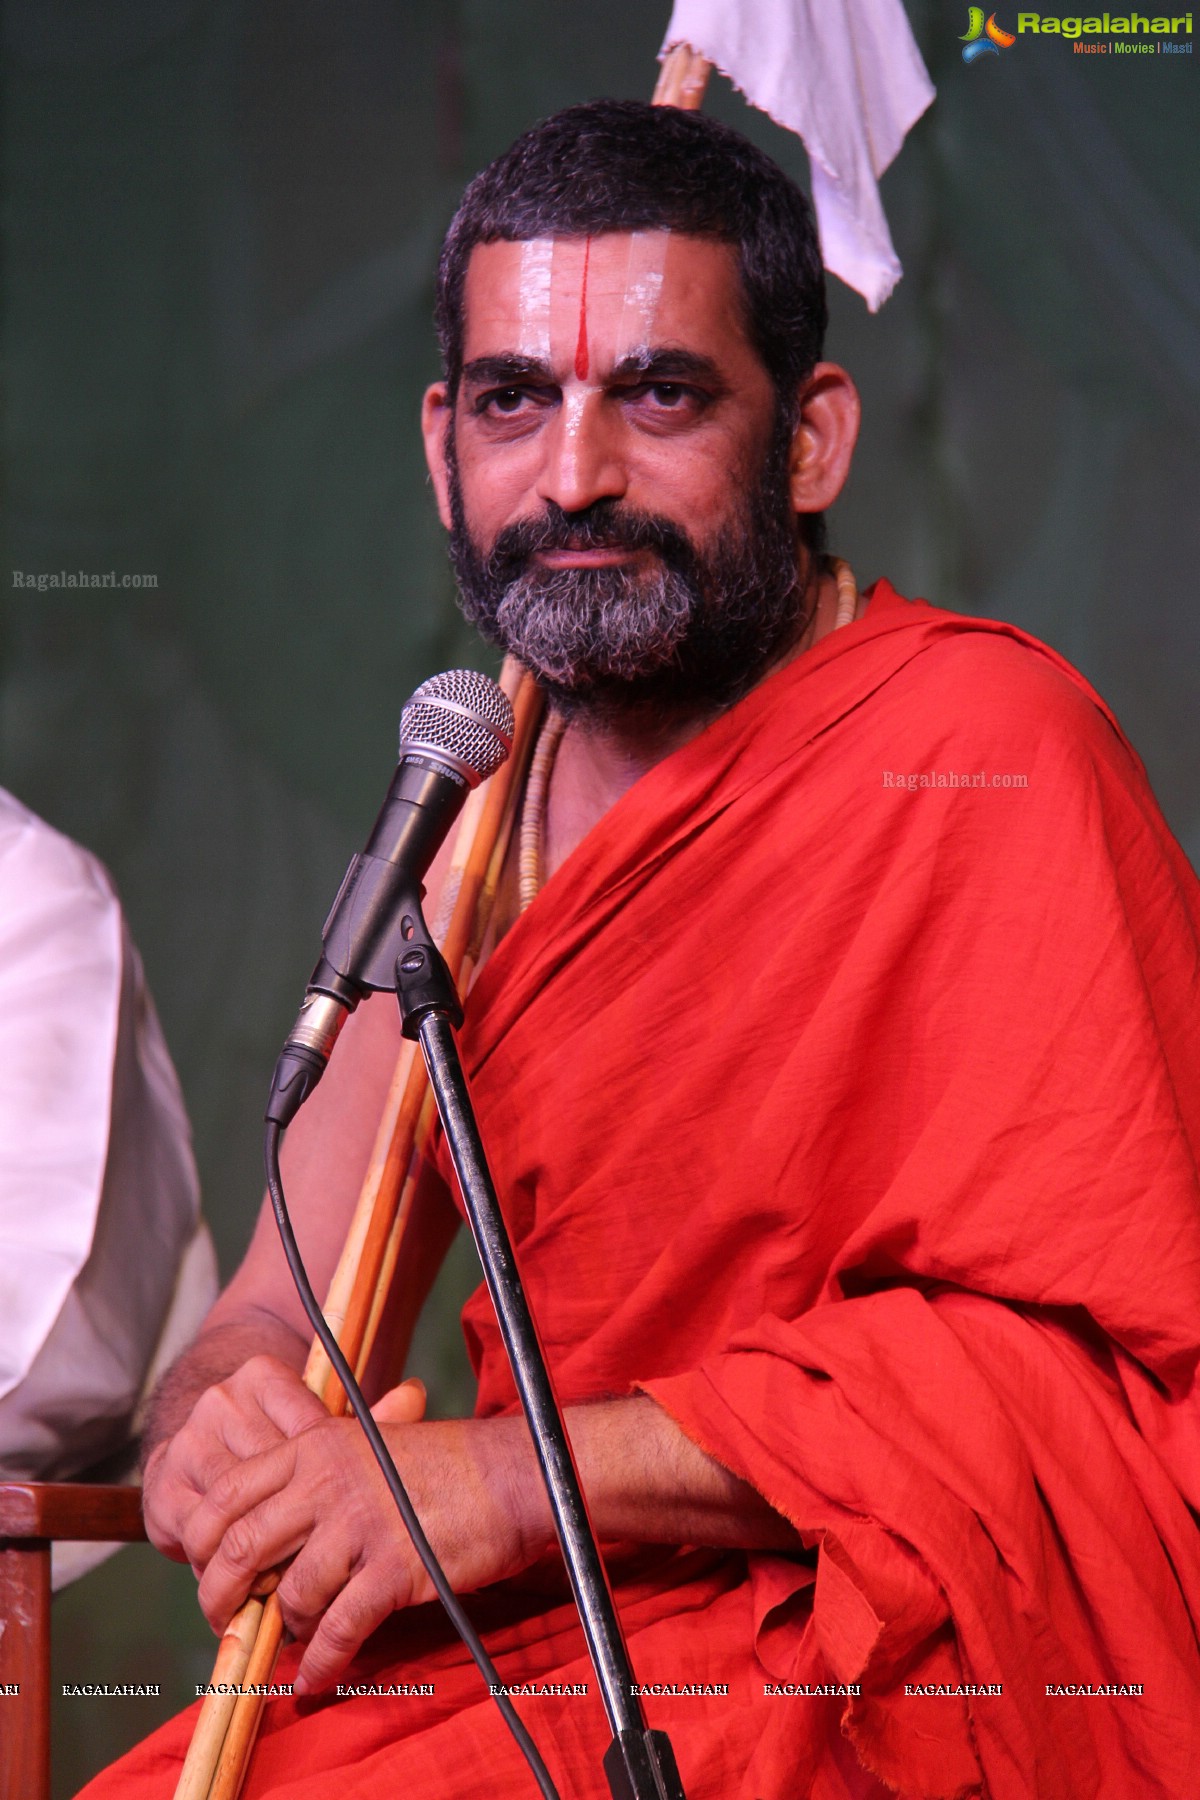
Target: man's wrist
x=513, y=1476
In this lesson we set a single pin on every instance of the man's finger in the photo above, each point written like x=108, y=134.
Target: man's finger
x=201, y=1454
x=283, y=1397
x=227, y=1423
x=403, y=1405
x=258, y=1540
x=245, y=1512
x=173, y=1487
x=363, y=1604
x=166, y=1509
x=313, y=1581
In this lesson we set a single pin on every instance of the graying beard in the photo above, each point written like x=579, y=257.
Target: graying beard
x=574, y=627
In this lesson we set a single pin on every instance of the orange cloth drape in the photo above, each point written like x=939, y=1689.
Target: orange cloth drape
x=854, y=1117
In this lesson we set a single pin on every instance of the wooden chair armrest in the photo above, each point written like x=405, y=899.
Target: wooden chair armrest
x=32, y=1513
x=71, y=1510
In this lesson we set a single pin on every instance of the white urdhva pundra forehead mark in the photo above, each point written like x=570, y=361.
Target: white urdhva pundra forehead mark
x=533, y=299
x=643, y=291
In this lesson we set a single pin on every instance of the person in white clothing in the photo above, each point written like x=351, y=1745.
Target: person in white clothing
x=106, y=1268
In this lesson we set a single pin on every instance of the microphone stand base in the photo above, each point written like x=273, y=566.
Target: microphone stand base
x=641, y=1766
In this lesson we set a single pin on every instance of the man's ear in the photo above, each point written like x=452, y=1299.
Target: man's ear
x=824, y=439
x=436, y=417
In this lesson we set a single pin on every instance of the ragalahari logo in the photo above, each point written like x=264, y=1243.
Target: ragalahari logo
x=982, y=39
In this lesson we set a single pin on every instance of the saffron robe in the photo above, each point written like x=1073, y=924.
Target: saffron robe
x=843, y=1092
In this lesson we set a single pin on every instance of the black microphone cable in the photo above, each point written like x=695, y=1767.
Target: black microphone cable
x=375, y=1438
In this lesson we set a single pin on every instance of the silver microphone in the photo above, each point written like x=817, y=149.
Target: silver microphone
x=456, y=730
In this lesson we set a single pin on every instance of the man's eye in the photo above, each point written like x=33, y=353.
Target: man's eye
x=670, y=397
x=504, y=400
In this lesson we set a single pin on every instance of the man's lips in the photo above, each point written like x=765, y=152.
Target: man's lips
x=604, y=557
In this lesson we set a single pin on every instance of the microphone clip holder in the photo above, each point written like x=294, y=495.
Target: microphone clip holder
x=424, y=983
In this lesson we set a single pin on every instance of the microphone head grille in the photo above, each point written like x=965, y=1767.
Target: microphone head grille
x=462, y=718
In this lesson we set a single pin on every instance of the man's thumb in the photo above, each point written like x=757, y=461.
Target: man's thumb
x=402, y=1405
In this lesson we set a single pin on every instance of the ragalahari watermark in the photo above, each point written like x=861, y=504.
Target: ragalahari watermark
x=80, y=578
x=951, y=778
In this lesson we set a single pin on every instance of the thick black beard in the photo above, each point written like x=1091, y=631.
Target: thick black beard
x=689, y=637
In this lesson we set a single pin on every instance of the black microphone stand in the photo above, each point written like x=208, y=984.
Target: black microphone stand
x=639, y=1764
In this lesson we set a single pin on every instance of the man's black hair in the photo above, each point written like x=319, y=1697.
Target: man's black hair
x=621, y=165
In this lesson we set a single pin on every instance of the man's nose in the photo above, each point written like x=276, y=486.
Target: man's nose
x=582, y=457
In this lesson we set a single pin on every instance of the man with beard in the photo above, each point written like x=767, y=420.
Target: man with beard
x=829, y=1228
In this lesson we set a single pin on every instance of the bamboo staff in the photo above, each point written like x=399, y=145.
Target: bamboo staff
x=682, y=79
x=219, y=1754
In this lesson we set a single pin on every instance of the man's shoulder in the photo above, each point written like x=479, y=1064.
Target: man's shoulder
x=989, y=684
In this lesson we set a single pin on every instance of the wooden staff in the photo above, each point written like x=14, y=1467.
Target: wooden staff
x=219, y=1754
x=682, y=79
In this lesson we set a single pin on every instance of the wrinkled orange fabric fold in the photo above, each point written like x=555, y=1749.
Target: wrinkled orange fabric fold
x=854, y=1119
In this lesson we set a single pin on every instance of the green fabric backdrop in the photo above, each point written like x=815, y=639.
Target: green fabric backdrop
x=221, y=222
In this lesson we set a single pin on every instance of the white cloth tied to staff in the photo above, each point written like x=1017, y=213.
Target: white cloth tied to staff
x=847, y=77
x=105, y=1267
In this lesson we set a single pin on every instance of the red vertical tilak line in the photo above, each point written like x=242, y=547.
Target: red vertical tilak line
x=581, y=347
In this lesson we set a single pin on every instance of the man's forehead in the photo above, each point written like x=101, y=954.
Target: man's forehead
x=540, y=296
